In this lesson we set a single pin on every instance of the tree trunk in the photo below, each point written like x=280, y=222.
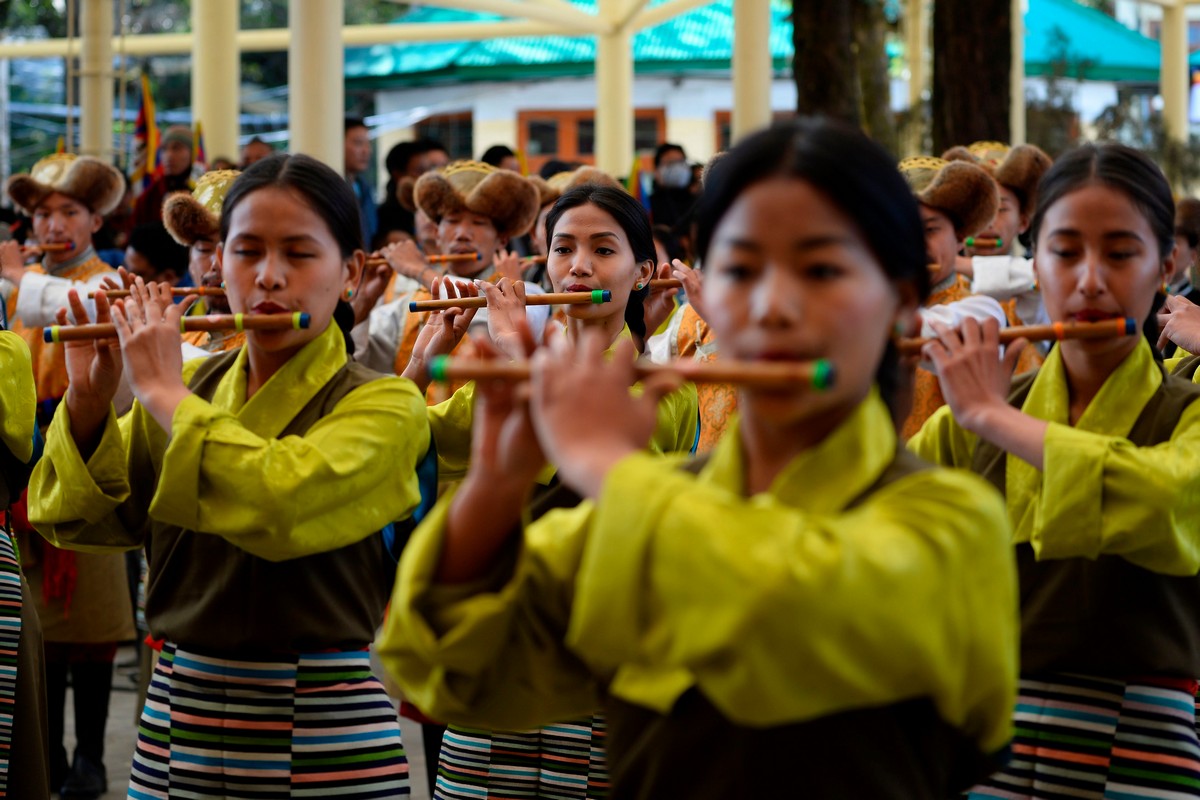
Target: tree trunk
x=870, y=29
x=972, y=59
x=825, y=65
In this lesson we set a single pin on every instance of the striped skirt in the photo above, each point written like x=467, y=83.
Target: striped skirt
x=315, y=725
x=10, y=637
x=559, y=762
x=1080, y=737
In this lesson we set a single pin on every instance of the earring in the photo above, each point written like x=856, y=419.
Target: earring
x=222, y=284
x=898, y=329
x=638, y=286
x=349, y=293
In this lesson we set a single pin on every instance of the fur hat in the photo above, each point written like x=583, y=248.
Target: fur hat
x=962, y=191
x=960, y=153
x=989, y=154
x=558, y=185
x=509, y=200
x=97, y=185
x=1021, y=171
x=195, y=216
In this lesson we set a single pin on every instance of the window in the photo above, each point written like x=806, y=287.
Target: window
x=452, y=130
x=571, y=135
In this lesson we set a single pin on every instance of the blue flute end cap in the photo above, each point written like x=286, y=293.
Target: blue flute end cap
x=305, y=319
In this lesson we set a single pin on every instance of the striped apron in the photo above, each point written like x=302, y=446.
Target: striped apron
x=559, y=762
x=10, y=636
x=313, y=725
x=1083, y=737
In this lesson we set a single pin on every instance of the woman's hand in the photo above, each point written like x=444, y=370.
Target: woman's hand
x=506, y=312
x=508, y=265
x=692, y=280
x=1179, y=321
x=93, y=373
x=505, y=461
x=660, y=303
x=126, y=280
x=585, y=416
x=442, y=331
x=974, y=378
x=371, y=287
x=148, y=327
x=407, y=260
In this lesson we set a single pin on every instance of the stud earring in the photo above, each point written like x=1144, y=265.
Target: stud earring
x=349, y=293
x=638, y=286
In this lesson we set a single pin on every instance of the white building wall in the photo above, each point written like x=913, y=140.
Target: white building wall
x=690, y=105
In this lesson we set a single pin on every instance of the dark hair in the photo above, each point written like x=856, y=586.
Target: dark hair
x=325, y=192
x=554, y=166
x=856, y=174
x=1122, y=169
x=353, y=122
x=496, y=154
x=663, y=149
x=634, y=221
x=670, y=242
x=398, y=157
x=156, y=246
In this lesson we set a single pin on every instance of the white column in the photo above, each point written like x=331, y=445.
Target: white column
x=1173, y=73
x=751, y=67
x=316, y=92
x=614, y=96
x=96, y=79
x=216, y=75
x=1016, y=114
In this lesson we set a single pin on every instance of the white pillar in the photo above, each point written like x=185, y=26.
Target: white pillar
x=614, y=96
x=96, y=79
x=216, y=75
x=1173, y=73
x=752, y=70
x=1016, y=114
x=316, y=92
x=916, y=38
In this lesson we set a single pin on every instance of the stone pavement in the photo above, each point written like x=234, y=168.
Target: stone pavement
x=122, y=735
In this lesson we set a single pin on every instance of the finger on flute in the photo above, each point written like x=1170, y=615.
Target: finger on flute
x=596, y=296
x=1107, y=329
x=177, y=291
x=817, y=374
x=210, y=322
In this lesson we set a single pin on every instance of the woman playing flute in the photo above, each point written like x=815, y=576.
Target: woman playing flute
x=811, y=612
x=254, y=481
x=1096, y=455
x=599, y=240
x=24, y=757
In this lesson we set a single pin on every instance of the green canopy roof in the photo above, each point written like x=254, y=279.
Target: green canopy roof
x=1088, y=42
x=699, y=41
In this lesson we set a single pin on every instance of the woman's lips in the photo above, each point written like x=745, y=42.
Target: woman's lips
x=577, y=287
x=269, y=307
x=1094, y=315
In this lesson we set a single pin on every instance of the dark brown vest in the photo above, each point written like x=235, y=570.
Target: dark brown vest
x=904, y=750
x=210, y=595
x=1105, y=617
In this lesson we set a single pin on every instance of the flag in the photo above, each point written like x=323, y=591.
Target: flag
x=199, y=159
x=61, y=147
x=145, y=142
x=524, y=165
x=635, y=184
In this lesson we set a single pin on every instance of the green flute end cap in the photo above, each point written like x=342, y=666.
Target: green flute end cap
x=303, y=320
x=50, y=335
x=1131, y=326
x=601, y=296
x=437, y=368
x=970, y=242
x=823, y=374
x=999, y=241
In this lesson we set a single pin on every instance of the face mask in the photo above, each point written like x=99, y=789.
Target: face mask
x=676, y=175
